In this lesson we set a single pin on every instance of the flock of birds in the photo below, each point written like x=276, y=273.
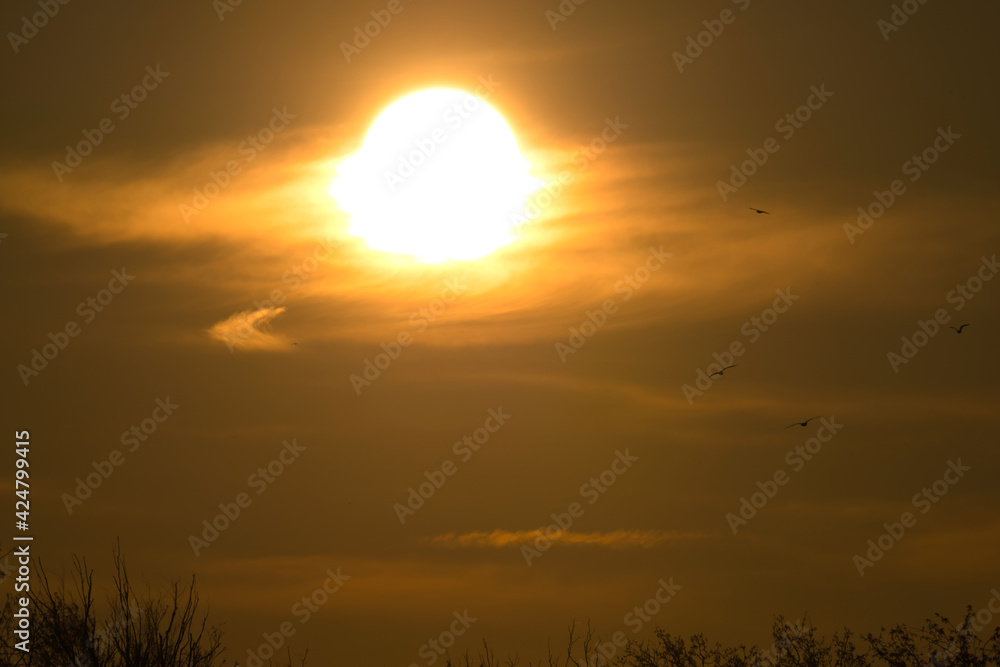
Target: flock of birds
x=721, y=371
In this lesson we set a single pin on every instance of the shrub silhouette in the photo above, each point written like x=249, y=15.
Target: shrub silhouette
x=167, y=630
x=141, y=629
x=938, y=643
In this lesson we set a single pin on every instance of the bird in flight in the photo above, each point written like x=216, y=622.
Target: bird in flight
x=720, y=372
x=802, y=423
x=959, y=329
x=758, y=210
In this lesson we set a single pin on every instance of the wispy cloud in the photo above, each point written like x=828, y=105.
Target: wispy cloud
x=249, y=330
x=615, y=539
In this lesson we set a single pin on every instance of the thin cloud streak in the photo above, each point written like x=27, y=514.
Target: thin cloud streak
x=250, y=330
x=616, y=539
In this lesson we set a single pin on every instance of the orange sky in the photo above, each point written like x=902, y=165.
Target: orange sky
x=252, y=314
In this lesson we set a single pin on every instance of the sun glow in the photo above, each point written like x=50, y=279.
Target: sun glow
x=439, y=177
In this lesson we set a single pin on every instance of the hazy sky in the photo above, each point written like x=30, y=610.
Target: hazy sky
x=650, y=119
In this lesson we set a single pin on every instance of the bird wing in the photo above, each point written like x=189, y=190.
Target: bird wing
x=795, y=424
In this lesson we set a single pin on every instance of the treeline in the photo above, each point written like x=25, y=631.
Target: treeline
x=166, y=629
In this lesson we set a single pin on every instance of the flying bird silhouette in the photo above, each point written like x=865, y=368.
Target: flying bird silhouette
x=959, y=329
x=758, y=210
x=803, y=423
x=720, y=372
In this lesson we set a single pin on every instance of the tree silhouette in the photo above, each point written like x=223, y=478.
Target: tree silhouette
x=166, y=629
x=163, y=629
x=937, y=643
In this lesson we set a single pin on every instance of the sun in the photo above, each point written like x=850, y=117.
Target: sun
x=439, y=177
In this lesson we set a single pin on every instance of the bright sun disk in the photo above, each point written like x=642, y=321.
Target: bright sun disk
x=439, y=177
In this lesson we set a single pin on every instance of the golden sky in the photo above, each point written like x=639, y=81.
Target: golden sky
x=191, y=298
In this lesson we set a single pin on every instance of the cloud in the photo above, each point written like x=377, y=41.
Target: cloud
x=249, y=330
x=615, y=539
